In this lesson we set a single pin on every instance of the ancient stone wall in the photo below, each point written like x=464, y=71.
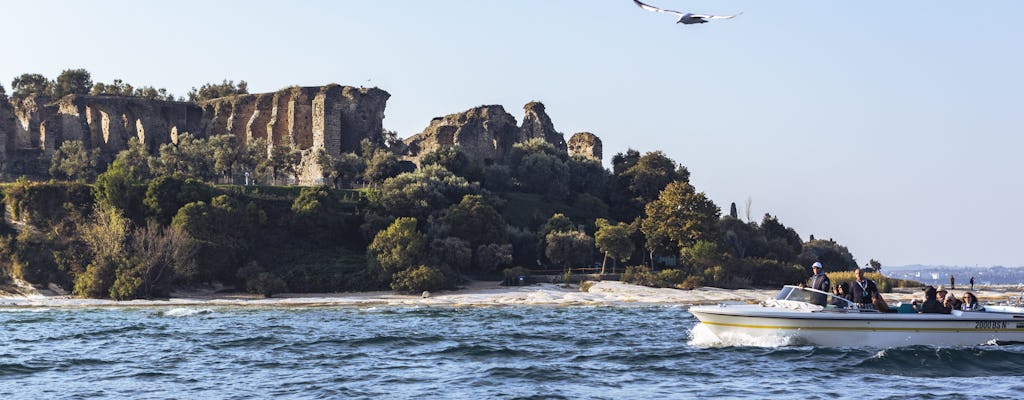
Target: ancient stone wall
x=332, y=118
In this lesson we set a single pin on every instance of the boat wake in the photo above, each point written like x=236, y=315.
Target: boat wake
x=701, y=336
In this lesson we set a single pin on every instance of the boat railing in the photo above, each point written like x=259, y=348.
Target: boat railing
x=815, y=297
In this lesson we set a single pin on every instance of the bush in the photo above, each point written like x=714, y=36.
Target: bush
x=638, y=275
x=418, y=279
x=692, y=282
x=97, y=279
x=258, y=281
x=669, y=278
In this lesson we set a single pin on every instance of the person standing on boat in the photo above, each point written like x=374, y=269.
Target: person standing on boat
x=819, y=281
x=972, y=283
x=863, y=290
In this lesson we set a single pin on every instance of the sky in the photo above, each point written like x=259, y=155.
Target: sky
x=894, y=128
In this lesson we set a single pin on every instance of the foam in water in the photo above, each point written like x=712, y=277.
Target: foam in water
x=701, y=336
x=184, y=312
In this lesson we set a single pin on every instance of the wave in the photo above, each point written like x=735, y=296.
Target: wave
x=925, y=361
x=701, y=336
x=185, y=312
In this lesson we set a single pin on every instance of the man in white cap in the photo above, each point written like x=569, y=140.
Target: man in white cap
x=819, y=280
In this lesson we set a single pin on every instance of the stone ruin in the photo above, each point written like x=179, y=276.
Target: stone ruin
x=333, y=118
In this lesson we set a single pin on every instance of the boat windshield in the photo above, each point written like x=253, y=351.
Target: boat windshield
x=812, y=296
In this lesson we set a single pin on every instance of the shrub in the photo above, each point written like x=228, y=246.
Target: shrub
x=668, y=278
x=258, y=281
x=418, y=279
x=638, y=275
x=692, y=282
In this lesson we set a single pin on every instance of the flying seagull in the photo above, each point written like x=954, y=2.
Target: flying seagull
x=684, y=18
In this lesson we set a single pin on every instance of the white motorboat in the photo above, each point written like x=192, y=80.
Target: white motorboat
x=807, y=316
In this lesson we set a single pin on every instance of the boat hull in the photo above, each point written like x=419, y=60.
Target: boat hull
x=863, y=329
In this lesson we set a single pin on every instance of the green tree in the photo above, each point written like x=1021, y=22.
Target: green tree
x=476, y=222
x=157, y=255
x=73, y=161
x=211, y=91
x=587, y=175
x=253, y=159
x=491, y=257
x=419, y=279
x=534, y=146
x=224, y=231
x=137, y=159
x=421, y=193
x=452, y=252
x=106, y=236
x=347, y=168
x=557, y=223
x=781, y=243
x=381, y=165
x=497, y=178
x=454, y=159
x=225, y=155
x=318, y=216
x=3, y=93
x=166, y=194
x=285, y=160
x=543, y=174
x=29, y=84
x=569, y=248
x=639, y=180
x=395, y=249
x=72, y=81
x=190, y=156
x=614, y=240
x=679, y=218
x=834, y=256
x=119, y=188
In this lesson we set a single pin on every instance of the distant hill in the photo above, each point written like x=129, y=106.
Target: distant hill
x=939, y=275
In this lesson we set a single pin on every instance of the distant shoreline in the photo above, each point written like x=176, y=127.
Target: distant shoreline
x=476, y=294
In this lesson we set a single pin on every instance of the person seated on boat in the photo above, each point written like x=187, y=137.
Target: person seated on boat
x=970, y=303
x=952, y=302
x=863, y=291
x=931, y=305
x=819, y=281
x=941, y=293
x=842, y=290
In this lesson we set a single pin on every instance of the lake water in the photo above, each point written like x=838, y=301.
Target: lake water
x=469, y=353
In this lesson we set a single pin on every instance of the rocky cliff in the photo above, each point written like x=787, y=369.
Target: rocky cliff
x=585, y=144
x=486, y=133
x=332, y=117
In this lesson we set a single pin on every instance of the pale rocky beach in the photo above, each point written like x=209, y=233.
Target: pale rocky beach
x=476, y=293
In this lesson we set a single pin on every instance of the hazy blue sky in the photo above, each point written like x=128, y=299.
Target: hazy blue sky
x=894, y=127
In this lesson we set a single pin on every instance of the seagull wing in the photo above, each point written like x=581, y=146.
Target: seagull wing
x=656, y=9
x=715, y=16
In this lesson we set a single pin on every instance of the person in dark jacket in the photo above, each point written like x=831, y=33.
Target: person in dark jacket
x=863, y=290
x=819, y=281
x=931, y=305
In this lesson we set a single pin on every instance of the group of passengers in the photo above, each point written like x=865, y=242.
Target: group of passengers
x=949, y=302
x=864, y=293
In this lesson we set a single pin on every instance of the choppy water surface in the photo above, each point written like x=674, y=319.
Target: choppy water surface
x=474, y=353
